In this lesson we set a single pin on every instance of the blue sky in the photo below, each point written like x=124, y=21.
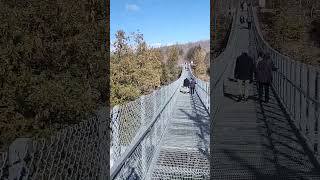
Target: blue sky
x=162, y=22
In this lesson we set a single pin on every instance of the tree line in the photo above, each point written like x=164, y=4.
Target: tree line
x=201, y=60
x=53, y=65
x=293, y=28
x=137, y=69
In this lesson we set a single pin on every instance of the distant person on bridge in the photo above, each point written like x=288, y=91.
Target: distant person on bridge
x=245, y=6
x=186, y=82
x=243, y=72
x=192, y=85
x=260, y=58
x=241, y=19
x=264, y=77
x=241, y=5
x=249, y=21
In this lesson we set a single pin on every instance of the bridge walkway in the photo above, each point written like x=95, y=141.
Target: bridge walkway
x=184, y=150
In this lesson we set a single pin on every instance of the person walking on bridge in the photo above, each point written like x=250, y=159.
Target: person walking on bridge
x=264, y=77
x=241, y=19
x=192, y=85
x=259, y=58
x=245, y=6
x=186, y=82
x=241, y=5
x=243, y=72
x=249, y=21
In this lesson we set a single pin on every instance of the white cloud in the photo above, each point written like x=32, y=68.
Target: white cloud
x=156, y=45
x=170, y=44
x=132, y=7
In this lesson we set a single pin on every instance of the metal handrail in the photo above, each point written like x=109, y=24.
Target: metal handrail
x=132, y=147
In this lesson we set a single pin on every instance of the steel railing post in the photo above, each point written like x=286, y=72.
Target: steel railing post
x=115, y=131
x=154, y=95
x=143, y=143
x=300, y=95
x=307, y=100
x=317, y=83
x=296, y=92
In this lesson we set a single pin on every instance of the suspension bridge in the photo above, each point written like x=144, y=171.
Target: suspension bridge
x=249, y=140
x=253, y=140
x=170, y=135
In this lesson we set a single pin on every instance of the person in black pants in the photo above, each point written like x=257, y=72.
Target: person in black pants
x=241, y=19
x=241, y=5
x=264, y=76
x=243, y=72
x=249, y=21
x=192, y=85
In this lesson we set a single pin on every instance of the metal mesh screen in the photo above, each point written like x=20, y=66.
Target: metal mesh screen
x=82, y=151
x=78, y=152
x=137, y=128
x=203, y=90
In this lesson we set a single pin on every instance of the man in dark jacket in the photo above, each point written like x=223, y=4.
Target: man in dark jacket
x=244, y=73
x=264, y=76
x=186, y=82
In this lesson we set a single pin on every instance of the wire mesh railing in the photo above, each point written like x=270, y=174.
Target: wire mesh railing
x=82, y=151
x=219, y=67
x=298, y=87
x=202, y=89
x=137, y=128
x=77, y=152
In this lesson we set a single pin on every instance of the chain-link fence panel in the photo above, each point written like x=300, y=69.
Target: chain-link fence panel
x=77, y=152
x=137, y=128
x=202, y=89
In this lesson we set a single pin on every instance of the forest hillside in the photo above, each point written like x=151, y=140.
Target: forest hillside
x=138, y=69
x=53, y=65
x=293, y=28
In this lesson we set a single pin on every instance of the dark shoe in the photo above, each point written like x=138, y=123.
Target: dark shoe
x=239, y=99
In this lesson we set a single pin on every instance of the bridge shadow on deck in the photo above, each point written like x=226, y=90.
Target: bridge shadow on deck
x=275, y=151
x=200, y=120
x=291, y=156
